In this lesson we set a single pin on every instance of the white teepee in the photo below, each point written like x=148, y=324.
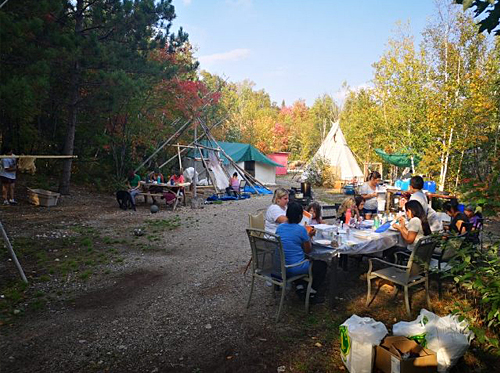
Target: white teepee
x=336, y=152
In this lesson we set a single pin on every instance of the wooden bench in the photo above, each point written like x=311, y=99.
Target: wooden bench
x=147, y=194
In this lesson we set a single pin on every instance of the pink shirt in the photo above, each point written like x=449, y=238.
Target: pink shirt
x=235, y=184
x=177, y=180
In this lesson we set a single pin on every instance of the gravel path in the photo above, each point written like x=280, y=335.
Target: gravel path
x=177, y=309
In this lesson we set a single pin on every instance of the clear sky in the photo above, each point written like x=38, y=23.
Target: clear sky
x=296, y=49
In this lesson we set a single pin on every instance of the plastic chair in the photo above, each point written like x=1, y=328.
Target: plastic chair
x=256, y=221
x=243, y=184
x=268, y=263
x=415, y=272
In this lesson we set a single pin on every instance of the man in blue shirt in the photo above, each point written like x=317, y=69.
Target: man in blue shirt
x=296, y=243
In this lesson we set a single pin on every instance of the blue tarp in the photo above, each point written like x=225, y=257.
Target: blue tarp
x=260, y=190
x=215, y=197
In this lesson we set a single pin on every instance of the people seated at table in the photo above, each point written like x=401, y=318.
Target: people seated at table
x=474, y=217
x=234, y=185
x=276, y=213
x=155, y=176
x=417, y=226
x=458, y=218
x=356, y=204
x=133, y=185
x=314, y=209
x=416, y=194
x=369, y=192
x=177, y=177
x=296, y=243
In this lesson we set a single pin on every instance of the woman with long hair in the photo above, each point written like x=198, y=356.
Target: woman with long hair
x=356, y=205
x=417, y=226
x=276, y=213
x=369, y=192
x=314, y=209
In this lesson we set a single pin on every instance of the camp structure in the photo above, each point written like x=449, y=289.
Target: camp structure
x=335, y=152
x=248, y=158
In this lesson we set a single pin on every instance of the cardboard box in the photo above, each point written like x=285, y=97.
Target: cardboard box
x=389, y=358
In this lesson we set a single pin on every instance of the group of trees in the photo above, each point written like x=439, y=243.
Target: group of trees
x=103, y=79
x=440, y=101
x=107, y=80
x=250, y=116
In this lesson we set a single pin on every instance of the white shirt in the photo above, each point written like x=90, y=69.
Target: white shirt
x=273, y=213
x=415, y=225
x=371, y=203
x=432, y=217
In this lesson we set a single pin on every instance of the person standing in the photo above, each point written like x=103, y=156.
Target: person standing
x=8, y=177
x=369, y=192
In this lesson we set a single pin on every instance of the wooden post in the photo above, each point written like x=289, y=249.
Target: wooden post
x=13, y=254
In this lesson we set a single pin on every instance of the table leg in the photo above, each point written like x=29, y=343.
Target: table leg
x=176, y=199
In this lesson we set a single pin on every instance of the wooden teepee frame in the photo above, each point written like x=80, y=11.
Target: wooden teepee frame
x=195, y=144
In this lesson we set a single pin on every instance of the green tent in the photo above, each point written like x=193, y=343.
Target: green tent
x=399, y=159
x=240, y=152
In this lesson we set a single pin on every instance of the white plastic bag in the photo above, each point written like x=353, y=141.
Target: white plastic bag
x=446, y=336
x=189, y=174
x=358, y=336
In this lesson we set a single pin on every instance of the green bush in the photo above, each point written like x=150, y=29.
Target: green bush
x=478, y=272
x=317, y=171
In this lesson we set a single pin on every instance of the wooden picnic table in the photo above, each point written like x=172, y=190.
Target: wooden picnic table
x=177, y=189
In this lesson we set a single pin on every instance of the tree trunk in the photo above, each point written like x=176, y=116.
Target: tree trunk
x=74, y=95
x=446, y=160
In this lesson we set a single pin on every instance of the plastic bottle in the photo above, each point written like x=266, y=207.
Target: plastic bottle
x=376, y=222
x=339, y=240
x=159, y=180
x=348, y=216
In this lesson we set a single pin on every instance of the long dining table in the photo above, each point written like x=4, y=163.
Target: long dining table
x=352, y=241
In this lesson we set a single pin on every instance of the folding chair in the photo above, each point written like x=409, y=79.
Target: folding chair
x=268, y=263
x=415, y=272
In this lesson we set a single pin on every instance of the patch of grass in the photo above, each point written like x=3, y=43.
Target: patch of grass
x=37, y=305
x=108, y=240
x=163, y=224
x=87, y=242
x=85, y=275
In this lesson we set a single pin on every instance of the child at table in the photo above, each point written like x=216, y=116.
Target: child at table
x=177, y=177
x=296, y=243
x=315, y=210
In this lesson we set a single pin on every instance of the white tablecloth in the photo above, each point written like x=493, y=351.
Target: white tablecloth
x=352, y=245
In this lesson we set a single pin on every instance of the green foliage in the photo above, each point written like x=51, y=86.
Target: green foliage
x=478, y=272
x=484, y=193
x=317, y=171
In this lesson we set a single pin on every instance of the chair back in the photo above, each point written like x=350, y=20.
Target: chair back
x=421, y=256
x=243, y=184
x=268, y=257
x=256, y=221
